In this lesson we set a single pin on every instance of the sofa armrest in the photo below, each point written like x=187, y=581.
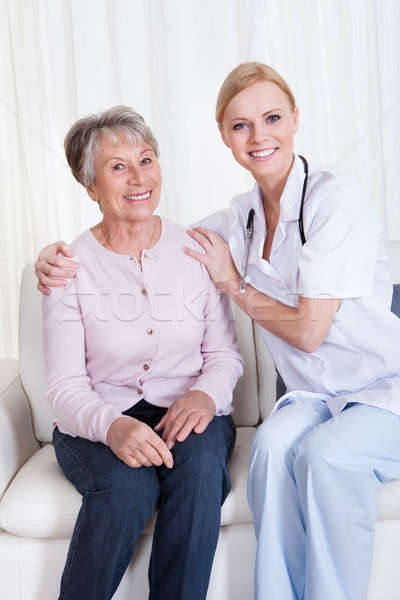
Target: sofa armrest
x=17, y=442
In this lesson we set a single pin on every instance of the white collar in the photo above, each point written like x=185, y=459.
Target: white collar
x=291, y=195
x=242, y=203
x=289, y=202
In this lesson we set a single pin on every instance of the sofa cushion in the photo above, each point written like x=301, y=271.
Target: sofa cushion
x=40, y=502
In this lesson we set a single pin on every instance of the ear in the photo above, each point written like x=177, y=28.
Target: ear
x=91, y=193
x=223, y=136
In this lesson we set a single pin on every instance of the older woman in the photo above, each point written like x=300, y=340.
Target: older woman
x=141, y=361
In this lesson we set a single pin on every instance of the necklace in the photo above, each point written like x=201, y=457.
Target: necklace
x=132, y=254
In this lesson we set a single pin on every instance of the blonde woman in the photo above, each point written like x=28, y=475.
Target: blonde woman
x=317, y=283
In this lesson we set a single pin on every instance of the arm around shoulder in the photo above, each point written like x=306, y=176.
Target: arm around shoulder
x=52, y=269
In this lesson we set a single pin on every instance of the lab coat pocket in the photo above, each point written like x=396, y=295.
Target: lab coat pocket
x=346, y=368
x=301, y=370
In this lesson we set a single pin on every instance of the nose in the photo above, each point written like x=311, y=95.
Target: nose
x=135, y=176
x=258, y=133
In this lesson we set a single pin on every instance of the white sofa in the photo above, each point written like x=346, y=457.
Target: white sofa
x=38, y=505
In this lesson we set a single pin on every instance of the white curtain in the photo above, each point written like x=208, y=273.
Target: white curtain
x=62, y=59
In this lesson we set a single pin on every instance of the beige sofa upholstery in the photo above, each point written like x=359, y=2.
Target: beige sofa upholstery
x=38, y=505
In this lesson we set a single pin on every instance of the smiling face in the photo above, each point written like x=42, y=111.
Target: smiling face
x=127, y=181
x=258, y=126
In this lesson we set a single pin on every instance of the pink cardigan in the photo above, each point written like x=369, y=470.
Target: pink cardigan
x=116, y=334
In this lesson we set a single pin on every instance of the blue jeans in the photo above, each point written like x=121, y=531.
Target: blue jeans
x=117, y=501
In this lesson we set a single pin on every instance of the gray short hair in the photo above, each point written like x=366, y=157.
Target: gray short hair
x=82, y=140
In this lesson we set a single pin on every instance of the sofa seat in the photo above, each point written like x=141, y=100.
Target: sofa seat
x=41, y=503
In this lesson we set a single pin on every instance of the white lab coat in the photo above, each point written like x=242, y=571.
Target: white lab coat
x=343, y=257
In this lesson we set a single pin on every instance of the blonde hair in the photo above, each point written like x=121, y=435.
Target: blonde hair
x=244, y=76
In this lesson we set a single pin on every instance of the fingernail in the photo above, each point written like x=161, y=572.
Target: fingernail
x=170, y=464
x=170, y=445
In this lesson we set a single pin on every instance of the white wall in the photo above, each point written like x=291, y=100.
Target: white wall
x=61, y=59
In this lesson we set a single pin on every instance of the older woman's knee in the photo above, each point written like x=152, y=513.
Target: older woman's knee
x=202, y=473
x=123, y=480
x=203, y=463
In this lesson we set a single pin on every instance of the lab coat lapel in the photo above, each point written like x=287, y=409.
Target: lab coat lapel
x=289, y=203
x=289, y=211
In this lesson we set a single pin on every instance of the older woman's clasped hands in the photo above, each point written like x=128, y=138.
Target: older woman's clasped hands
x=192, y=412
x=136, y=444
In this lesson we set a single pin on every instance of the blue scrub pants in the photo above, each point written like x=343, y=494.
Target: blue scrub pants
x=117, y=501
x=312, y=488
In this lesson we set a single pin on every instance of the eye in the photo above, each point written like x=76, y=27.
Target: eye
x=146, y=161
x=239, y=126
x=118, y=167
x=274, y=117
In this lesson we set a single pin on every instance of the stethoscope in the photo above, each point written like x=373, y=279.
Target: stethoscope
x=250, y=228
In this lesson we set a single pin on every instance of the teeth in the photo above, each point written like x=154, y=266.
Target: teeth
x=138, y=196
x=263, y=153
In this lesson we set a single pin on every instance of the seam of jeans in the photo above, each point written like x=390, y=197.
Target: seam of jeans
x=152, y=578
x=73, y=552
x=76, y=456
x=155, y=544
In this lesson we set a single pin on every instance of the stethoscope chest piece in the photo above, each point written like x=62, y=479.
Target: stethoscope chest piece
x=247, y=244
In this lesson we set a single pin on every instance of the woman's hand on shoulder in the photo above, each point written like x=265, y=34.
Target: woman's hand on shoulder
x=191, y=412
x=50, y=265
x=136, y=444
x=216, y=257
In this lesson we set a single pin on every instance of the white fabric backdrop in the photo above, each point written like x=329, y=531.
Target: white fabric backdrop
x=62, y=59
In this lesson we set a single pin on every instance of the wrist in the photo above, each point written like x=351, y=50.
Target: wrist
x=206, y=397
x=115, y=424
x=231, y=287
